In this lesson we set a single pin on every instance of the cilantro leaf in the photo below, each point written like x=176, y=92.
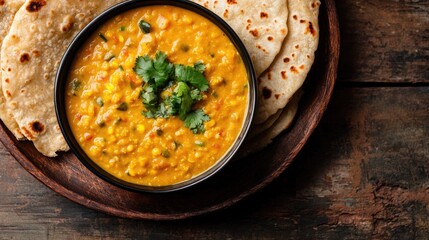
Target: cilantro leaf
x=157, y=71
x=184, y=93
x=144, y=68
x=200, y=66
x=173, y=104
x=195, y=121
x=149, y=98
x=163, y=69
x=196, y=95
x=190, y=75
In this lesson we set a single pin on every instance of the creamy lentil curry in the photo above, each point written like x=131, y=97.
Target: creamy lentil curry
x=157, y=95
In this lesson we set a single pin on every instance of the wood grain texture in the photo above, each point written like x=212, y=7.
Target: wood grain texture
x=364, y=174
x=384, y=41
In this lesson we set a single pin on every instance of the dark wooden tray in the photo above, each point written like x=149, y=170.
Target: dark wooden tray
x=241, y=178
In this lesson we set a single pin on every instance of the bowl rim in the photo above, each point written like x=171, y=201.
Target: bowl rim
x=82, y=37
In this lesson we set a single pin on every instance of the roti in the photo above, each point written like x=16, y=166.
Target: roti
x=31, y=52
x=261, y=25
x=7, y=12
x=256, y=129
x=285, y=120
x=290, y=68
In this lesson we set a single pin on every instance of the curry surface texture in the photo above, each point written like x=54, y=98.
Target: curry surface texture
x=154, y=151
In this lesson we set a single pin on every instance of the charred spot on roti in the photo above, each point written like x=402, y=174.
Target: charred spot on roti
x=284, y=75
x=266, y=92
x=1, y=2
x=35, y=5
x=283, y=31
x=231, y=1
x=310, y=29
x=308, y=56
x=7, y=80
x=8, y=94
x=9, y=69
x=315, y=4
x=270, y=38
x=302, y=21
x=36, y=53
x=37, y=127
x=286, y=60
x=295, y=17
x=269, y=75
x=25, y=57
x=293, y=69
x=293, y=55
x=23, y=91
x=225, y=14
x=264, y=15
x=277, y=96
x=242, y=11
x=254, y=32
x=297, y=46
x=302, y=67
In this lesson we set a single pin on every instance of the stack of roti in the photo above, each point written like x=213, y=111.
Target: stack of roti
x=281, y=37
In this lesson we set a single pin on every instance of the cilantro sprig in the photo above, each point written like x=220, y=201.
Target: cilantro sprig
x=186, y=82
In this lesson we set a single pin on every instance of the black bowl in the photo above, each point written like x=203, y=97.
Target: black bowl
x=81, y=38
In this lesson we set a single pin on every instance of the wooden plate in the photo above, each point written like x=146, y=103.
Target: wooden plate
x=68, y=177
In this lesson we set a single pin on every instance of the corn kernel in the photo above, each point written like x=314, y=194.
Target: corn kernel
x=110, y=130
x=94, y=150
x=121, y=38
x=110, y=87
x=141, y=128
x=130, y=148
x=156, y=152
x=99, y=142
x=114, y=64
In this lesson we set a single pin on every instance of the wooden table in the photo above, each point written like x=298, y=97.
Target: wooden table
x=363, y=174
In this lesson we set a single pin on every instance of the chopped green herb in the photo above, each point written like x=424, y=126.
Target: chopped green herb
x=109, y=56
x=99, y=101
x=176, y=145
x=185, y=48
x=200, y=66
x=122, y=107
x=212, y=55
x=100, y=123
x=149, y=98
x=102, y=37
x=189, y=84
x=184, y=92
x=117, y=121
x=159, y=132
x=195, y=121
x=123, y=28
x=157, y=71
x=165, y=153
x=127, y=172
x=190, y=75
x=121, y=68
x=75, y=85
x=144, y=26
x=214, y=94
x=199, y=143
x=245, y=86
